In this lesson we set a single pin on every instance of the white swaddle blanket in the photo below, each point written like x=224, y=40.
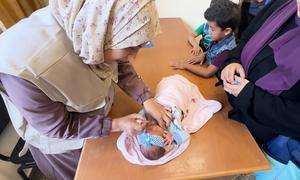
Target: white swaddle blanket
x=173, y=91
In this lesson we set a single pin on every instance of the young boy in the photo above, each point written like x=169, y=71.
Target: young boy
x=222, y=17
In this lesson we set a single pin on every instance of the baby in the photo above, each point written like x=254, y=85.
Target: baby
x=155, y=141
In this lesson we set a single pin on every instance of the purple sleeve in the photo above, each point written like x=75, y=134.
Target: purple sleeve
x=132, y=84
x=52, y=118
x=220, y=59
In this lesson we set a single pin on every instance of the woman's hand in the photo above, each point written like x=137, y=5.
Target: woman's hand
x=132, y=124
x=236, y=87
x=196, y=50
x=230, y=71
x=158, y=112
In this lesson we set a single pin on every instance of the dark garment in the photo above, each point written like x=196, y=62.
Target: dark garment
x=286, y=50
x=265, y=115
x=4, y=116
x=247, y=17
x=57, y=166
x=220, y=59
x=53, y=120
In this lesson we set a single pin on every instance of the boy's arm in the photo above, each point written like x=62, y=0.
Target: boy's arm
x=196, y=50
x=205, y=72
x=192, y=39
x=209, y=71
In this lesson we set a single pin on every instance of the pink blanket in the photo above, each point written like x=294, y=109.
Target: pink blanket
x=173, y=91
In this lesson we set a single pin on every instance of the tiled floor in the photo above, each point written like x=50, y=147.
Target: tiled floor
x=8, y=140
x=8, y=171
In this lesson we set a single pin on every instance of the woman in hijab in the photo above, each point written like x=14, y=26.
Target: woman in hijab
x=58, y=71
x=262, y=81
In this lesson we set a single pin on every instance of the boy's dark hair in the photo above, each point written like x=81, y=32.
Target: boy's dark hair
x=225, y=13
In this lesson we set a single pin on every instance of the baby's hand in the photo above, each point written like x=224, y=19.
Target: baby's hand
x=168, y=138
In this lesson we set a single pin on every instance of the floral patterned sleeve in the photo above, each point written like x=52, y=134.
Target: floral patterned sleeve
x=132, y=84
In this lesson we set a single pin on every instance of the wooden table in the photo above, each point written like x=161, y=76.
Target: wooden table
x=222, y=147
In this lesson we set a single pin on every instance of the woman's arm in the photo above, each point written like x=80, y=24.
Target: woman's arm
x=52, y=118
x=132, y=84
x=276, y=112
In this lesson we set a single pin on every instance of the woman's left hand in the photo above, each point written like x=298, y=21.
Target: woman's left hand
x=158, y=112
x=236, y=87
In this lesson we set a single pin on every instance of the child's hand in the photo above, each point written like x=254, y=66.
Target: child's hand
x=178, y=65
x=197, y=59
x=196, y=50
x=168, y=138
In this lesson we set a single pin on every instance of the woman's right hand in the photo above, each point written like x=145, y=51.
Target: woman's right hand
x=132, y=124
x=230, y=70
x=196, y=50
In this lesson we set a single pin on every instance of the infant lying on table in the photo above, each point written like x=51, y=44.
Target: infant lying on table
x=156, y=141
x=190, y=111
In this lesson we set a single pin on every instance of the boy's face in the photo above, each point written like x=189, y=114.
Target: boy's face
x=217, y=33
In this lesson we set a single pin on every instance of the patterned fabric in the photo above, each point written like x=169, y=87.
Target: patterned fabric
x=227, y=43
x=94, y=25
x=150, y=140
x=175, y=128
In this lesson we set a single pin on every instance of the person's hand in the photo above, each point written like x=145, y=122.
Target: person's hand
x=298, y=8
x=177, y=65
x=158, y=112
x=196, y=50
x=168, y=138
x=236, y=87
x=197, y=59
x=132, y=124
x=229, y=71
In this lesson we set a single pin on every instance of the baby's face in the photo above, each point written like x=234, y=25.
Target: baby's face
x=155, y=129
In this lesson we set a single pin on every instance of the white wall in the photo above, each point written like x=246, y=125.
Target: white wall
x=190, y=11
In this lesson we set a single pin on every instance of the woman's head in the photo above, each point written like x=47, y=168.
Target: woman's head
x=125, y=54
x=117, y=27
x=223, y=17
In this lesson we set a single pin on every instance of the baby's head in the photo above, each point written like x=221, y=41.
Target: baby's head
x=152, y=142
x=223, y=16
